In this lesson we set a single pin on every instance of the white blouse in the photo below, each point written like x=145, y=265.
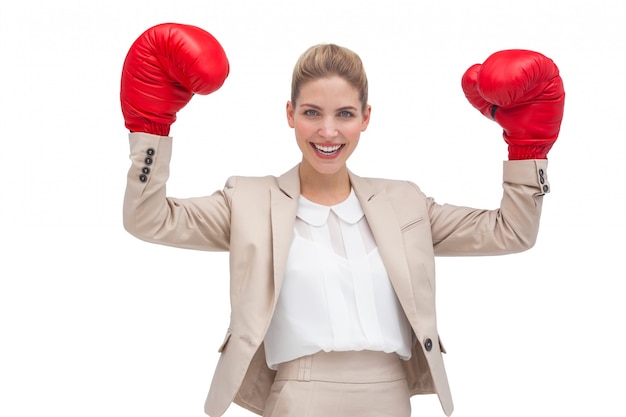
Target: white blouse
x=336, y=294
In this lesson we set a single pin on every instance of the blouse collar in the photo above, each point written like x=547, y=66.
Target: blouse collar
x=349, y=210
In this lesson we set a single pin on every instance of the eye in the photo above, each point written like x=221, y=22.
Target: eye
x=310, y=112
x=345, y=114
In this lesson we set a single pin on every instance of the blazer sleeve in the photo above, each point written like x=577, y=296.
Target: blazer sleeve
x=458, y=231
x=201, y=223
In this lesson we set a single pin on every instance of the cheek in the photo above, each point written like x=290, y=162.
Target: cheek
x=301, y=136
x=303, y=130
x=354, y=131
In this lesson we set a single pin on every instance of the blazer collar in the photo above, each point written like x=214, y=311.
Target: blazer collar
x=289, y=183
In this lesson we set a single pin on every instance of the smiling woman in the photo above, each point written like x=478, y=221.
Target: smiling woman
x=328, y=121
x=333, y=274
x=328, y=111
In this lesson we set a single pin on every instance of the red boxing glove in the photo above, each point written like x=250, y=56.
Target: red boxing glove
x=522, y=91
x=163, y=69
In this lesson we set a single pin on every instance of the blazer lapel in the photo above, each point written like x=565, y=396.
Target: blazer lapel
x=284, y=207
x=388, y=236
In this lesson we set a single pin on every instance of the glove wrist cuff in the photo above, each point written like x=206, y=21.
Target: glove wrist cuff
x=146, y=126
x=529, y=148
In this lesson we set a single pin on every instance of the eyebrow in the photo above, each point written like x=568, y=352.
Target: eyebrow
x=319, y=108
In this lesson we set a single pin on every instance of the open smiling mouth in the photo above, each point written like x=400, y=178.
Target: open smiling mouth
x=327, y=150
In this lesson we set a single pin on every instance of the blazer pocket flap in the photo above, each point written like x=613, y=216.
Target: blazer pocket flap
x=413, y=223
x=225, y=342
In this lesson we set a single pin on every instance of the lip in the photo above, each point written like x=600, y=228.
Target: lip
x=324, y=155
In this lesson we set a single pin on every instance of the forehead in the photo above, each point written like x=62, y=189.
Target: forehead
x=329, y=90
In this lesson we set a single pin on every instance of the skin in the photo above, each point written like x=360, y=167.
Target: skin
x=328, y=120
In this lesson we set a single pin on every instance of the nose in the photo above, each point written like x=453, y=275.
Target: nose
x=328, y=128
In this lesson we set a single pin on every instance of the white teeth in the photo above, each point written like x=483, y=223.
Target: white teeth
x=327, y=149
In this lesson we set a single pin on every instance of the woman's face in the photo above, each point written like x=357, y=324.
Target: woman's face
x=328, y=120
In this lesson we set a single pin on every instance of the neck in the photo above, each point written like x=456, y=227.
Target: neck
x=326, y=189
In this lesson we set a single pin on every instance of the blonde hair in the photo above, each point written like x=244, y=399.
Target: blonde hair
x=326, y=60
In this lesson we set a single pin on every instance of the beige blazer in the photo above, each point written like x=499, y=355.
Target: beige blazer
x=253, y=219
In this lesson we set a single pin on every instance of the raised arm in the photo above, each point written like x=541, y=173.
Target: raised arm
x=523, y=92
x=164, y=68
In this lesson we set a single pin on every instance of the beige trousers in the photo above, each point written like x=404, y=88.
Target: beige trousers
x=340, y=384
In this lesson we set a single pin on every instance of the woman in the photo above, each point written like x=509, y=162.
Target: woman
x=332, y=274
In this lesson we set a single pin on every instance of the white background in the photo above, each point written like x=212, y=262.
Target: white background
x=94, y=322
